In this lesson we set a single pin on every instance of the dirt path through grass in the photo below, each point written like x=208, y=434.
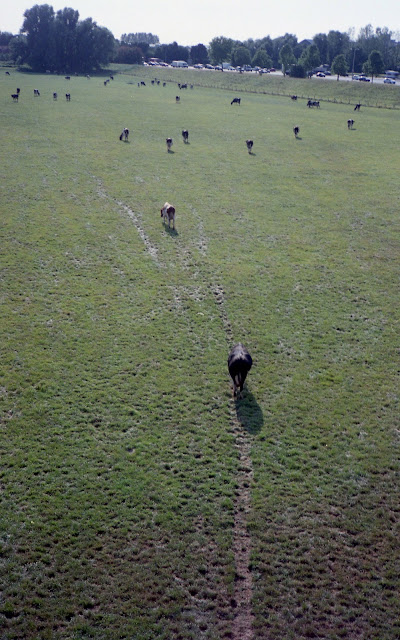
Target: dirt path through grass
x=241, y=603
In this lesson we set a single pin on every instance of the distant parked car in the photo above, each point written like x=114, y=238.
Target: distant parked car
x=272, y=70
x=364, y=79
x=389, y=81
x=320, y=74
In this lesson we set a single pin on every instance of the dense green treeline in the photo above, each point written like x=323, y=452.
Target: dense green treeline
x=61, y=42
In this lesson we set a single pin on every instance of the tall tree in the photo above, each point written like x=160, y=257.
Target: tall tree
x=94, y=48
x=310, y=58
x=199, y=54
x=261, y=59
x=338, y=43
x=65, y=39
x=240, y=56
x=321, y=40
x=286, y=57
x=220, y=49
x=374, y=64
x=39, y=28
x=339, y=65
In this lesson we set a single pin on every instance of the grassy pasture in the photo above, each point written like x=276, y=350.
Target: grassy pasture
x=119, y=449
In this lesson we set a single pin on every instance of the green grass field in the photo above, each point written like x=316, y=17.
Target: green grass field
x=138, y=500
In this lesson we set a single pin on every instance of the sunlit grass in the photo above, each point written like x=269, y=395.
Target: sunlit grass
x=119, y=466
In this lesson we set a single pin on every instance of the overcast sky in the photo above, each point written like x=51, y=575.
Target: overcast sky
x=188, y=22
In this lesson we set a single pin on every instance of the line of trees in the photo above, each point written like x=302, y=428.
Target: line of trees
x=61, y=42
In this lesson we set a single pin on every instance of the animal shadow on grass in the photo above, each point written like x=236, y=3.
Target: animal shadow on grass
x=249, y=413
x=171, y=231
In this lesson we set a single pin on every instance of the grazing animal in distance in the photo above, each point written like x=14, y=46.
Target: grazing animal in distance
x=169, y=144
x=68, y=97
x=7, y=73
x=313, y=103
x=296, y=131
x=177, y=99
x=357, y=107
x=14, y=97
x=55, y=96
x=185, y=136
x=36, y=92
x=18, y=90
x=125, y=134
x=293, y=97
x=350, y=123
x=239, y=364
x=235, y=101
x=249, y=144
x=168, y=214
x=68, y=77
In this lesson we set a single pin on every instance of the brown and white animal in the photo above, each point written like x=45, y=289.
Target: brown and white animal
x=235, y=101
x=249, y=144
x=169, y=144
x=239, y=364
x=168, y=214
x=296, y=131
x=350, y=123
x=125, y=134
x=185, y=135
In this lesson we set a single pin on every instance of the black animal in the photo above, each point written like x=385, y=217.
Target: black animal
x=296, y=131
x=54, y=96
x=313, y=103
x=239, y=364
x=68, y=97
x=294, y=97
x=169, y=144
x=350, y=123
x=36, y=92
x=18, y=90
x=235, y=101
x=177, y=98
x=357, y=107
x=7, y=73
x=143, y=84
x=14, y=97
x=125, y=134
x=249, y=144
x=185, y=135
x=68, y=77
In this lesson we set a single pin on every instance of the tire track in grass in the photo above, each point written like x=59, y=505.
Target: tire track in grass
x=242, y=627
x=151, y=249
